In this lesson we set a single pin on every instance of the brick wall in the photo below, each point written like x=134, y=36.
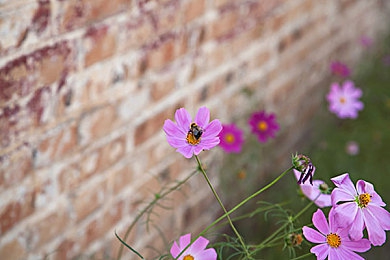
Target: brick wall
x=85, y=86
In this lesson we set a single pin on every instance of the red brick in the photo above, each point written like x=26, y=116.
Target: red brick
x=100, y=43
x=49, y=227
x=152, y=126
x=19, y=28
x=162, y=88
x=165, y=50
x=89, y=198
x=13, y=250
x=97, y=123
x=135, y=32
x=78, y=13
x=16, y=210
x=119, y=179
x=112, y=152
x=42, y=67
x=15, y=166
x=193, y=9
x=58, y=144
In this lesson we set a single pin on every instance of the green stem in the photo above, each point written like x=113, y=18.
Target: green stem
x=149, y=207
x=302, y=256
x=245, y=201
x=262, y=244
x=222, y=206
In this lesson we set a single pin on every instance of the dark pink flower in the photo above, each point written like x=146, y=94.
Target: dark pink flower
x=192, y=137
x=196, y=251
x=231, y=138
x=340, y=69
x=316, y=192
x=263, y=125
x=360, y=207
x=333, y=241
x=344, y=101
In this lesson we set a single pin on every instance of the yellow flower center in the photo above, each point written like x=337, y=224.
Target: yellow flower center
x=188, y=257
x=342, y=100
x=364, y=199
x=229, y=138
x=262, y=126
x=333, y=240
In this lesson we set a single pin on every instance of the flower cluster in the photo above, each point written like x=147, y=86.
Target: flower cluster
x=191, y=137
x=353, y=210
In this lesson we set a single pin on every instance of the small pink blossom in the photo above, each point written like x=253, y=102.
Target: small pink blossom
x=333, y=241
x=360, y=208
x=196, y=251
x=366, y=41
x=231, y=138
x=344, y=100
x=340, y=69
x=352, y=148
x=263, y=125
x=192, y=137
x=315, y=192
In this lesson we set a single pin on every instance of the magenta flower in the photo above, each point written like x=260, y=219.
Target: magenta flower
x=316, y=192
x=231, y=138
x=196, y=251
x=263, y=125
x=333, y=241
x=361, y=207
x=191, y=137
x=340, y=69
x=344, y=101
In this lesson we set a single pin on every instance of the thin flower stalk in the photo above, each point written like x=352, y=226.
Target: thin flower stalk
x=221, y=204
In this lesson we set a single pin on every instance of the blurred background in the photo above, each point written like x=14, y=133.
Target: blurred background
x=85, y=87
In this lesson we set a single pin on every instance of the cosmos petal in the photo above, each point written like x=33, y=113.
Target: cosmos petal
x=320, y=222
x=313, y=235
x=321, y=251
x=202, y=118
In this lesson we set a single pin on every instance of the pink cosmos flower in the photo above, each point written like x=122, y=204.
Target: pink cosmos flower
x=196, y=251
x=191, y=137
x=263, y=125
x=333, y=241
x=344, y=101
x=315, y=192
x=231, y=138
x=361, y=207
x=366, y=41
x=352, y=148
x=340, y=69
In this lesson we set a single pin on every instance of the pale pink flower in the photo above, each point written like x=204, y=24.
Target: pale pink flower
x=196, y=251
x=360, y=208
x=333, y=241
x=192, y=137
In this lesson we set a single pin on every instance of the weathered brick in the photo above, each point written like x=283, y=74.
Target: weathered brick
x=89, y=198
x=151, y=126
x=193, y=9
x=13, y=250
x=99, y=43
x=57, y=144
x=21, y=76
x=164, y=50
x=17, y=29
x=16, y=210
x=78, y=13
x=97, y=123
x=15, y=166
